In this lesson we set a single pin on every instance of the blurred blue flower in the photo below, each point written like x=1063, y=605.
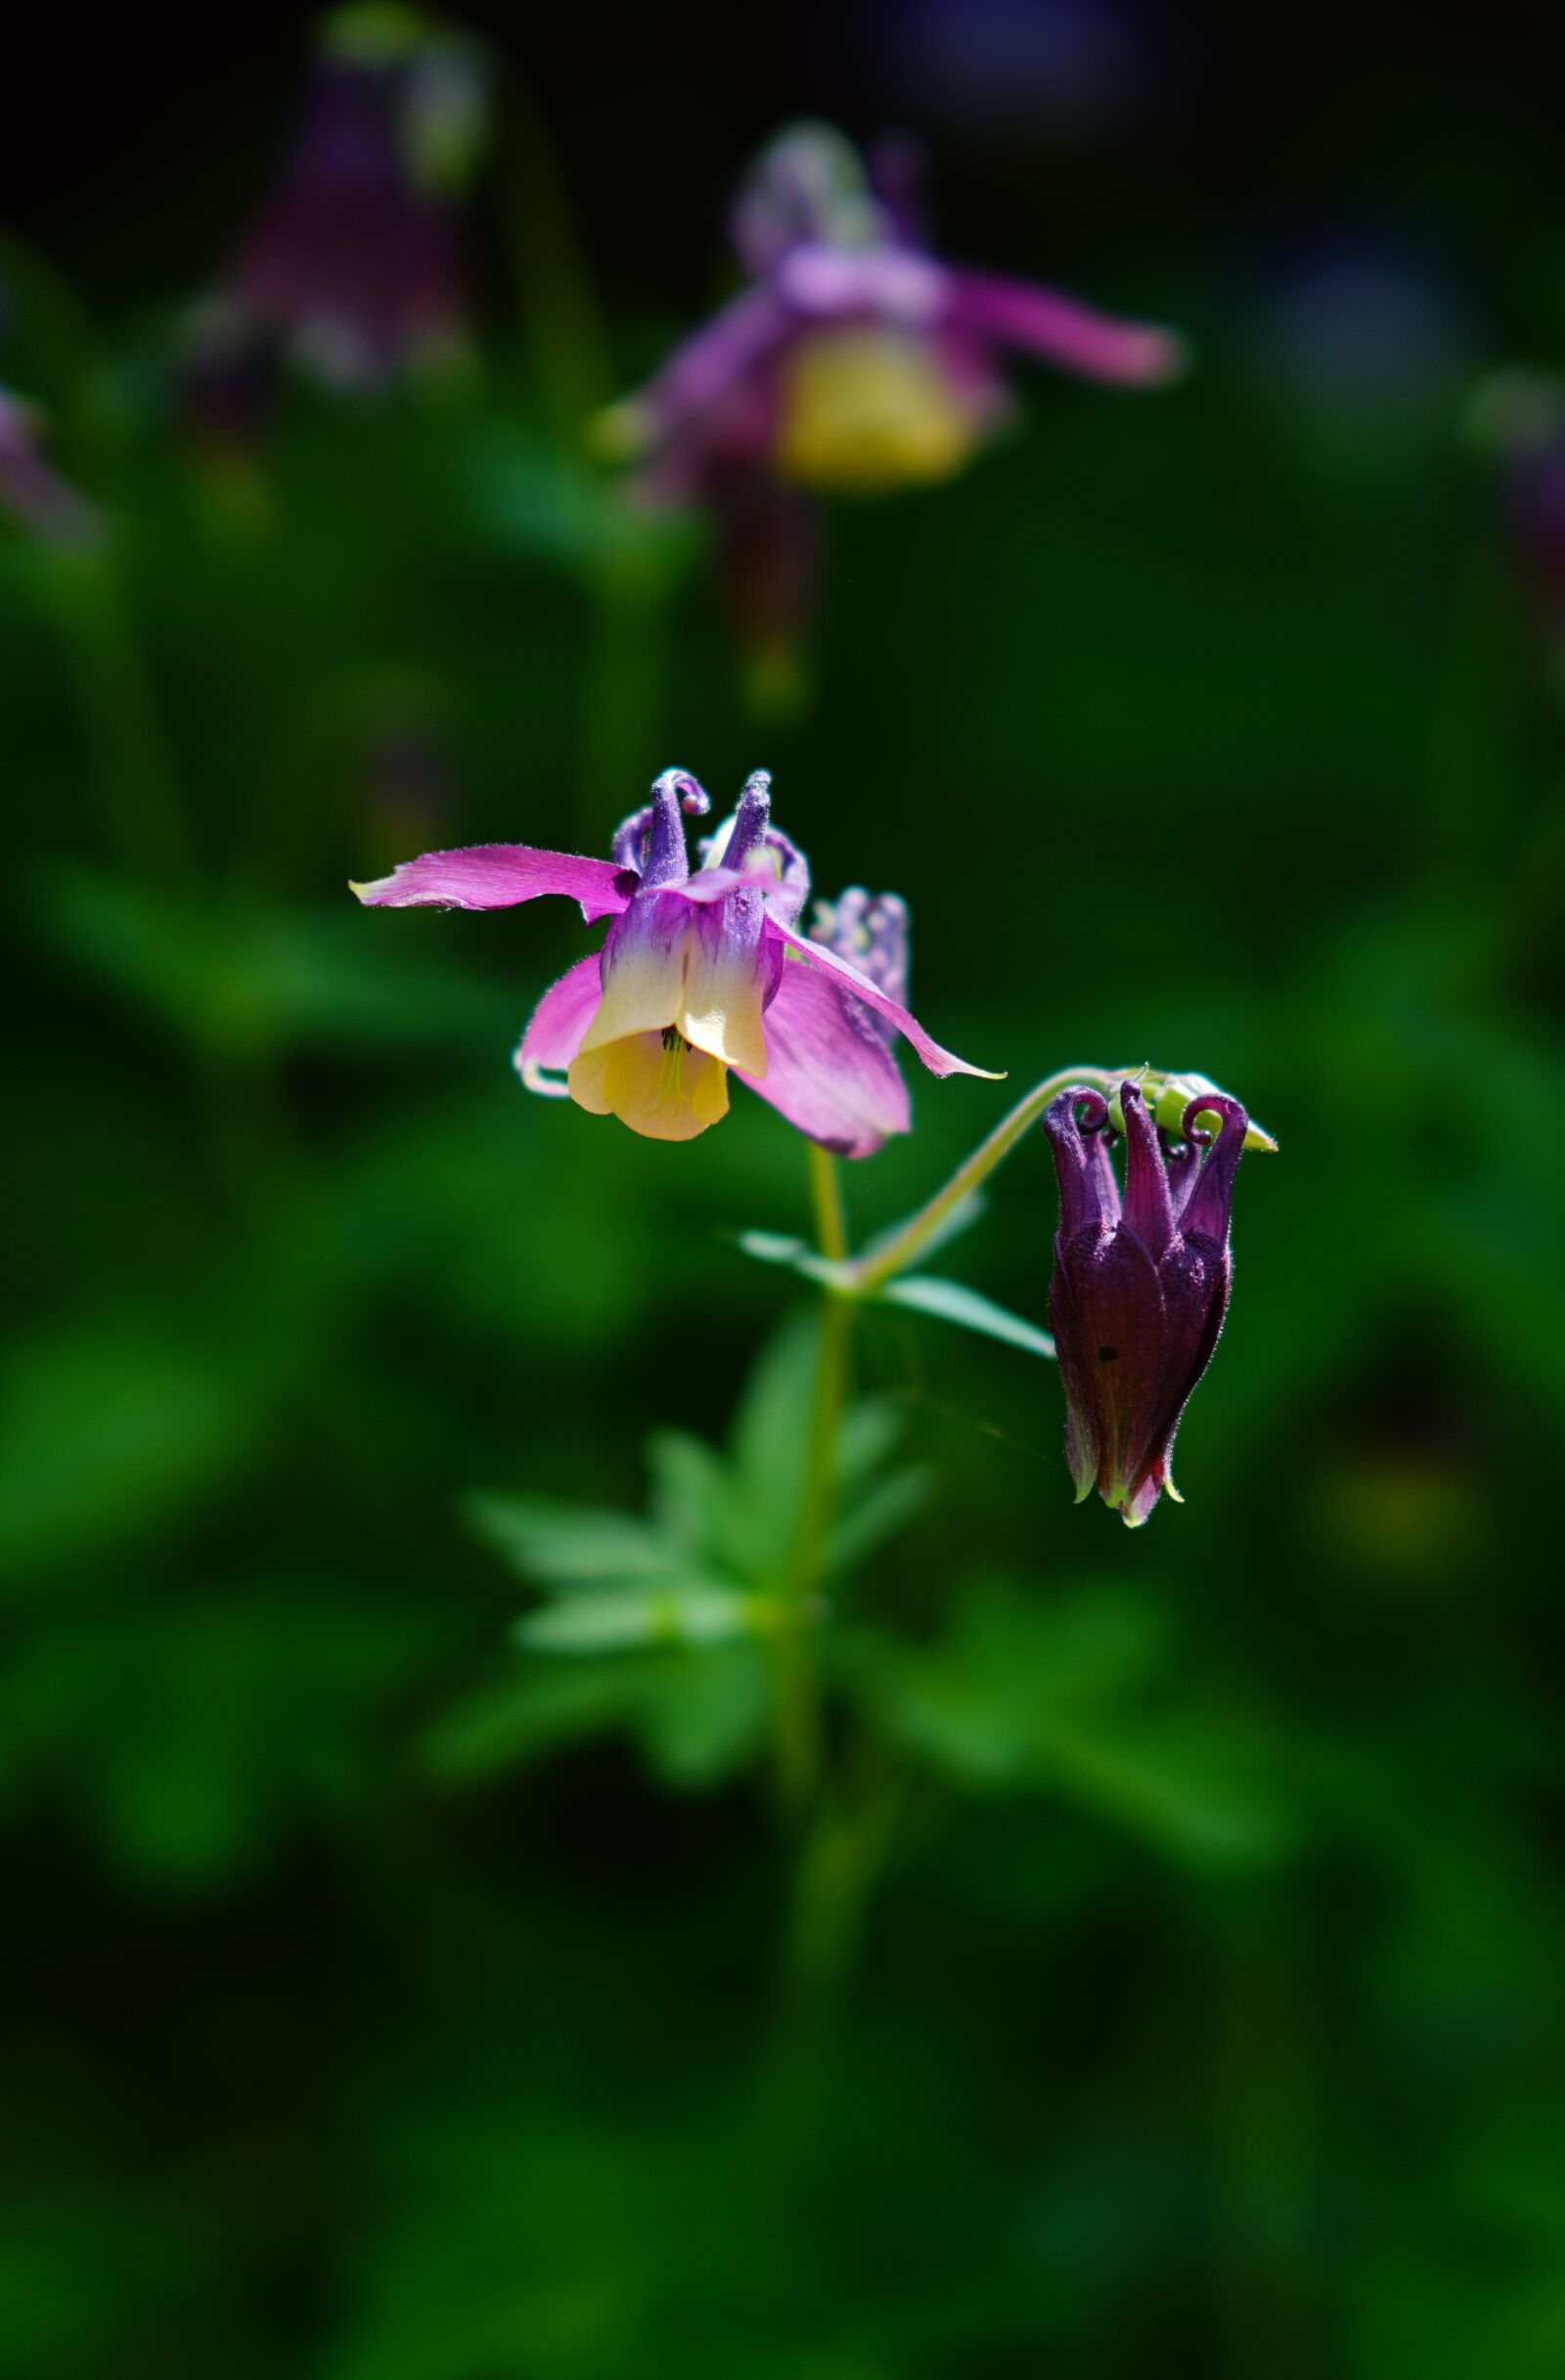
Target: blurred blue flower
x=1065, y=65
x=1372, y=346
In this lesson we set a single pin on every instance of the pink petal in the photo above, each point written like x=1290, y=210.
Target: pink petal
x=939, y=1061
x=498, y=876
x=559, y=1022
x=1058, y=326
x=713, y=360
x=826, y=1070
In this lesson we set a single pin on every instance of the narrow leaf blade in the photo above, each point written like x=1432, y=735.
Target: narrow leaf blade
x=953, y=1302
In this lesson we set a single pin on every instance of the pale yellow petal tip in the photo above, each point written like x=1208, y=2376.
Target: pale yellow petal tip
x=1172, y=1492
x=366, y=892
x=548, y=1081
x=1262, y=1142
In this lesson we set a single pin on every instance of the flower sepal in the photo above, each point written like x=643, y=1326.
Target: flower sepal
x=1168, y=1097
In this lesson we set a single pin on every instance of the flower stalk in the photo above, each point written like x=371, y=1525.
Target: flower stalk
x=903, y=1246
x=797, y=1689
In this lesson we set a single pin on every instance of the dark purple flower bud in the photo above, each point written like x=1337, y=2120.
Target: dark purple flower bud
x=1141, y=1283
x=353, y=269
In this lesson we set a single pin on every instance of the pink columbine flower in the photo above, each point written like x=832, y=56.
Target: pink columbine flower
x=703, y=975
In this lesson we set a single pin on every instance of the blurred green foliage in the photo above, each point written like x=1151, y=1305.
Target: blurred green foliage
x=408, y=1981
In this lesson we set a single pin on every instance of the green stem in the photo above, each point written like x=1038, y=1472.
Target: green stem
x=894, y=1254
x=798, y=1711
x=825, y=1194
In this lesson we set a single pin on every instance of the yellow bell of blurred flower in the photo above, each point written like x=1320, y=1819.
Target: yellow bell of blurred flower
x=863, y=412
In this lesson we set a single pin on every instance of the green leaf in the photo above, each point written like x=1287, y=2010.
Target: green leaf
x=690, y=1497
x=247, y=978
x=1186, y=1780
x=566, y=1545
x=770, y=1448
x=534, y=1711
x=1077, y=1694
x=697, y=1715
x=950, y=1301
x=700, y=1721
x=524, y=494
x=955, y=1301
x=695, y=1614
x=871, y=1430
x=110, y=1429
x=190, y=1732
x=876, y=1516
x=777, y=1248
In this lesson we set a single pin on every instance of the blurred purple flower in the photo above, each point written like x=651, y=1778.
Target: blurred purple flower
x=703, y=973
x=853, y=359
x=353, y=270
x=1141, y=1284
x=31, y=490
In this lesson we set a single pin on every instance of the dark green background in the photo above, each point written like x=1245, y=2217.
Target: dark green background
x=1210, y=2025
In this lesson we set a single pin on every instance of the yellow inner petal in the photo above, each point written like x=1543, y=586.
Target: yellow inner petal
x=653, y=1081
x=644, y=985
x=720, y=1011
x=712, y=1002
x=865, y=410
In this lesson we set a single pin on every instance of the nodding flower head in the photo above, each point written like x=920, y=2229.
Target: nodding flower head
x=1141, y=1283
x=353, y=269
x=703, y=975
x=855, y=359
